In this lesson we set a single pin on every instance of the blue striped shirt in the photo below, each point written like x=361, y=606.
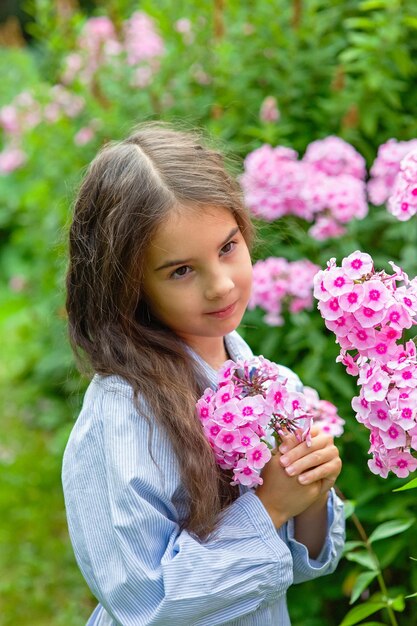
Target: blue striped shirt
x=123, y=517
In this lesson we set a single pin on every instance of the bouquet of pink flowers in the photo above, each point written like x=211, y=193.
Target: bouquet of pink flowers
x=253, y=403
x=369, y=311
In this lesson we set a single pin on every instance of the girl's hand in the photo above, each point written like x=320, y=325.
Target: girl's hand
x=318, y=462
x=299, y=478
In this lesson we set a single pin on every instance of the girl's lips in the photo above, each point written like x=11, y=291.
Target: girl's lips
x=222, y=313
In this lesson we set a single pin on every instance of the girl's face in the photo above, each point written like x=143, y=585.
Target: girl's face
x=198, y=275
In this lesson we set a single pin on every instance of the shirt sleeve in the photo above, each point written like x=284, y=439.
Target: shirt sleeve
x=326, y=562
x=124, y=514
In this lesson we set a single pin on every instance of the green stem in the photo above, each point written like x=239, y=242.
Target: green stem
x=380, y=578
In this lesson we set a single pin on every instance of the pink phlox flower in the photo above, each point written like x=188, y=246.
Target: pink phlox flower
x=385, y=168
x=393, y=437
x=244, y=474
x=376, y=295
x=226, y=461
x=367, y=370
x=342, y=325
x=224, y=394
x=362, y=338
x=228, y=415
x=252, y=408
x=376, y=387
x=383, y=350
x=399, y=273
x=405, y=374
x=11, y=159
x=323, y=413
x=269, y=111
x=336, y=282
x=349, y=362
x=379, y=415
x=398, y=316
x=334, y=156
x=408, y=299
x=403, y=201
x=362, y=408
x=358, y=264
x=258, y=456
x=326, y=227
x=319, y=291
x=405, y=416
x=330, y=309
x=211, y=429
x=226, y=372
x=377, y=444
x=402, y=463
x=352, y=300
x=227, y=440
x=377, y=465
x=276, y=395
x=248, y=440
x=368, y=317
x=204, y=409
x=412, y=434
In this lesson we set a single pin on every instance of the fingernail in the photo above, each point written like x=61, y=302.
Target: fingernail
x=284, y=460
x=290, y=470
x=283, y=449
x=303, y=479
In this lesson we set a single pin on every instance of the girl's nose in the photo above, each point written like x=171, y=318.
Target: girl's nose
x=219, y=287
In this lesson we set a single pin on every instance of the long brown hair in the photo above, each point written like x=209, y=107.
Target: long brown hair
x=128, y=190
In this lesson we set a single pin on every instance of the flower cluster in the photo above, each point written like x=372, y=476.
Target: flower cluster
x=100, y=44
x=253, y=401
x=368, y=311
x=326, y=186
x=403, y=201
x=324, y=414
x=385, y=168
x=26, y=112
x=137, y=47
x=280, y=284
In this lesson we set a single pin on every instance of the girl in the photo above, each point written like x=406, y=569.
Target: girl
x=159, y=278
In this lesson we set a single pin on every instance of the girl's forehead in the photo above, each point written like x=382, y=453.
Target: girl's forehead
x=192, y=222
x=186, y=233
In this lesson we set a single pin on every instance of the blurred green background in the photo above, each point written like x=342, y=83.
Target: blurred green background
x=345, y=68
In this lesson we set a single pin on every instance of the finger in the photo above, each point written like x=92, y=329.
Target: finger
x=289, y=441
x=327, y=472
x=314, y=458
x=318, y=442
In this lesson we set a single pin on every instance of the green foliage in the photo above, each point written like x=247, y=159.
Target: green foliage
x=345, y=68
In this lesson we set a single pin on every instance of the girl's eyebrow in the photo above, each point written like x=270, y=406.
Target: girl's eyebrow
x=231, y=234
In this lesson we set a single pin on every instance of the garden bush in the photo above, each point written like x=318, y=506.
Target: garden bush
x=248, y=74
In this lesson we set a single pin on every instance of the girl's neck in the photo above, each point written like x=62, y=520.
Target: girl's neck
x=212, y=350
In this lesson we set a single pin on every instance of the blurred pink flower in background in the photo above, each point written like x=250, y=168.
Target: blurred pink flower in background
x=280, y=285
x=269, y=111
x=385, y=168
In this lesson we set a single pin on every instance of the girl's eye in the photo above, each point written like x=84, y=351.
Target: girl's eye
x=181, y=271
x=229, y=247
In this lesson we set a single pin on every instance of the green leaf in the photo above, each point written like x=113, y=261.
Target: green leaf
x=398, y=603
x=362, y=582
x=410, y=21
x=360, y=612
x=388, y=529
x=364, y=559
x=370, y=5
x=412, y=484
x=349, y=508
x=352, y=545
